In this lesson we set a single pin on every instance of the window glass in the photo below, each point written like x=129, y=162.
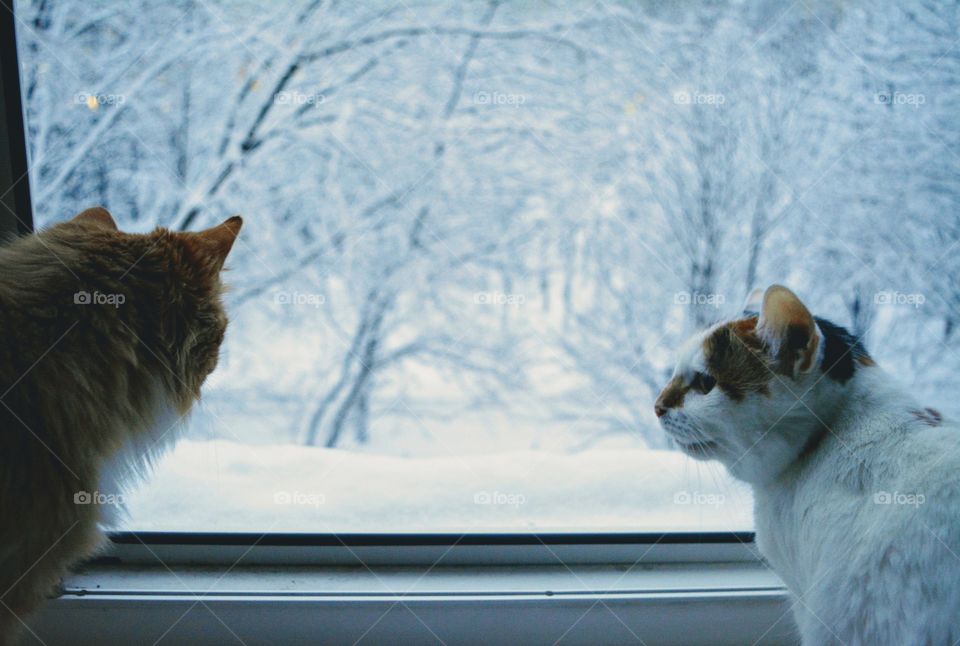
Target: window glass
x=476, y=233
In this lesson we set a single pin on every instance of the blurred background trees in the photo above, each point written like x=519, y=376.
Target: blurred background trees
x=478, y=226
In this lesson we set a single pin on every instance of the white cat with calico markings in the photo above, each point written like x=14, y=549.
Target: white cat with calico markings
x=856, y=485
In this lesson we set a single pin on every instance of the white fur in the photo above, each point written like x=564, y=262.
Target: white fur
x=133, y=461
x=862, y=570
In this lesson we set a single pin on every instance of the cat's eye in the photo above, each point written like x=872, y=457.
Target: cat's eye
x=703, y=382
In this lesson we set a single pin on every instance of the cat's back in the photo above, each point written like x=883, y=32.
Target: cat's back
x=40, y=351
x=36, y=310
x=900, y=474
x=869, y=537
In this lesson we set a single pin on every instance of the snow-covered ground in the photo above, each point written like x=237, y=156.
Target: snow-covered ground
x=227, y=486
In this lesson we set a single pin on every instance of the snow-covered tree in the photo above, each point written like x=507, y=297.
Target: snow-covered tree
x=461, y=211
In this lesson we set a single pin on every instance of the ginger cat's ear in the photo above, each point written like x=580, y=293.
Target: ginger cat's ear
x=96, y=215
x=212, y=245
x=789, y=330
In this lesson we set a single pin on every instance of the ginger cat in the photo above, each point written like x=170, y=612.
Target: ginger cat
x=107, y=338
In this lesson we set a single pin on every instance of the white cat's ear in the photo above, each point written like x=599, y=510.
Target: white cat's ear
x=96, y=215
x=753, y=302
x=789, y=330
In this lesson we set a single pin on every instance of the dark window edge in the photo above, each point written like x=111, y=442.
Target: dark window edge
x=18, y=214
x=293, y=539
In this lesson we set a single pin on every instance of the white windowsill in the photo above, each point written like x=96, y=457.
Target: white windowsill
x=658, y=603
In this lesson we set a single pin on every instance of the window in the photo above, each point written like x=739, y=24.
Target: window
x=475, y=232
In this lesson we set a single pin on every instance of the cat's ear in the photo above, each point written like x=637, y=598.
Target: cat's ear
x=754, y=302
x=789, y=330
x=96, y=215
x=213, y=244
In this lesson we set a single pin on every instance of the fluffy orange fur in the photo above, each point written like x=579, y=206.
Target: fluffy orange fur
x=103, y=331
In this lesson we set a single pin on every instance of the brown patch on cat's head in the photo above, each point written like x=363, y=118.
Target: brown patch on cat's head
x=744, y=355
x=737, y=358
x=671, y=396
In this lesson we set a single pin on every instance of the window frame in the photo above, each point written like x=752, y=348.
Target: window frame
x=719, y=603
x=127, y=578
x=406, y=548
x=393, y=549
x=17, y=214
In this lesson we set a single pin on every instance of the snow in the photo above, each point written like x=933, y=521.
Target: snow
x=227, y=486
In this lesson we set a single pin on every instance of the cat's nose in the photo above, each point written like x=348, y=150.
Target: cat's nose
x=659, y=410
